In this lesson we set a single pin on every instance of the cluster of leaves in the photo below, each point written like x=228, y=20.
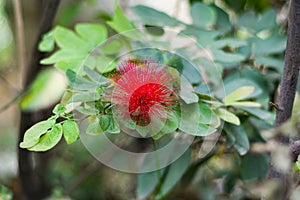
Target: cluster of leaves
x=46, y=134
x=240, y=50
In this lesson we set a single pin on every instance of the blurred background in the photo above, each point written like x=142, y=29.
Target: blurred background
x=70, y=171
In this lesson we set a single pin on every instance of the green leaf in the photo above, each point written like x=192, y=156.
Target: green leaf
x=248, y=20
x=89, y=96
x=204, y=130
x=244, y=103
x=93, y=34
x=189, y=118
x=95, y=76
x=111, y=47
x=228, y=42
x=175, y=172
x=239, y=134
x=228, y=116
x=75, y=47
x=33, y=134
x=80, y=83
x=262, y=46
x=102, y=63
x=187, y=92
x=94, y=127
x=223, y=23
x=254, y=166
x=257, y=112
x=48, y=140
x=249, y=77
x=171, y=124
x=207, y=116
x=146, y=184
x=239, y=94
x=225, y=57
x=47, y=43
x=70, y=131
x=270, y=62
x=59, y=109
x=297, y=166
x=67, y=39
x=230, y=181
x=87, y=111
x=123, y=25
x=150, y=16
x=266, y=21
x=109, y=124
x=203, y=15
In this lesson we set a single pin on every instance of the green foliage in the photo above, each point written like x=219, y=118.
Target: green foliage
x=5, y=193
x=71, y=131
x=74, y=46
x=33, y=134
x=122, y=24
x=161, y=182
x=237, y=137
x=247, y=55
x=49, y=139
x=254, y=166
x=46, y=134
x=150, y=16
x=297, y=165
x=203, y=15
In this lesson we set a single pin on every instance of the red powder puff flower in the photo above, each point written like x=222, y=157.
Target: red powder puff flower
x=143, y=92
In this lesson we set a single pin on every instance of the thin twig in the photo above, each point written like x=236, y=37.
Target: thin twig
x=11, y=102
x=20, y=40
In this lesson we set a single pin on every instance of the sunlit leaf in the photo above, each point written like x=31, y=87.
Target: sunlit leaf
x=47, y=43
x=228, y=116
x=239, y=94
x=33, y=134
x=244, y=103
x=123, y=25
x=70, y=131
x=59, y=109
x=75, y=46
x=49, y=139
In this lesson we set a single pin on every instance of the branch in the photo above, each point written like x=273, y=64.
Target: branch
x=288, y=85
x=11, y=102
x=20, y=39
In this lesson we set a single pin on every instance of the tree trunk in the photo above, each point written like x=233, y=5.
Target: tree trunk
x=288, y=87
x=31, y=169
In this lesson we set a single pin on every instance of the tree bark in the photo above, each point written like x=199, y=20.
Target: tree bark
x=31, y=173
x=288, y=87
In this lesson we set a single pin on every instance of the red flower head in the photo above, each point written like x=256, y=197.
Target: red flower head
x=143, y=92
